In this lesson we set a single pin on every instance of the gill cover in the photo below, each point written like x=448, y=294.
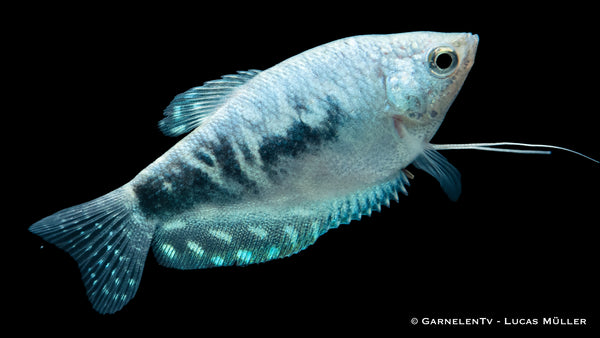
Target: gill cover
x=412, y=89
x=405, y=89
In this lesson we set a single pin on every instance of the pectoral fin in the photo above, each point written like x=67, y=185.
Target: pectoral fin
x=438, y=166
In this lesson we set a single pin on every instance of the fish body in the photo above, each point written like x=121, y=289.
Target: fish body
x=274, y=159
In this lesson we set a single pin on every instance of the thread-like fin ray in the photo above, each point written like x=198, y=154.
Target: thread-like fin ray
x=187, y=110
x=489, y=147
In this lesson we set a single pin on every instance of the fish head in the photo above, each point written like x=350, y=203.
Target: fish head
x=424, y=73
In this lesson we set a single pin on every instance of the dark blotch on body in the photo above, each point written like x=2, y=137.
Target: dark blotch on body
x=202, y=156
x=181, y=185
x=166, y=196
x=300, y=137
x=226, y=160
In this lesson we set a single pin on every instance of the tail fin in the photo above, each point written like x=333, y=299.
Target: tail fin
x=108, y=243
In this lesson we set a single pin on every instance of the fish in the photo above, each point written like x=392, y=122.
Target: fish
x=273, y=159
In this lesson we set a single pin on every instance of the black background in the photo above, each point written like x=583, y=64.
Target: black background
x=91, y=84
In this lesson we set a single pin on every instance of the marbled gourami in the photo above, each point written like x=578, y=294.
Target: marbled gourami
x=273, y=160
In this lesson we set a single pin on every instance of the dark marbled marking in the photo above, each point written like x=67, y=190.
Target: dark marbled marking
x=181, y=186
x=300, y=136
x=165, y=195
x=202, y=156
x=225, y=157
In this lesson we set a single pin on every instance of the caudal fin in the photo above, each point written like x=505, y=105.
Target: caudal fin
x=108, y=243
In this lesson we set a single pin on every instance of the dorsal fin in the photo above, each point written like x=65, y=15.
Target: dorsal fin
x=190, y=108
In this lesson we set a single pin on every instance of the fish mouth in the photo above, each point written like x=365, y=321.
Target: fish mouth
x=465, y=45
x=470, y=44
x=473, y=39
x=468, y=39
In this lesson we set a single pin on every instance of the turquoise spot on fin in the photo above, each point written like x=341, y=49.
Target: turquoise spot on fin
x=109, y=245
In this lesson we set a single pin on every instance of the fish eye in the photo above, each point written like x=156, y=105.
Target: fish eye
x=442, y=61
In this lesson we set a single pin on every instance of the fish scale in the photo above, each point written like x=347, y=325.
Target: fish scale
x=273, y=160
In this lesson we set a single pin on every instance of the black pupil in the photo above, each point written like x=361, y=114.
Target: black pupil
x=443, y=61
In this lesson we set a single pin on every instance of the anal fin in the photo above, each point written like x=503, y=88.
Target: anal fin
x=242, y=235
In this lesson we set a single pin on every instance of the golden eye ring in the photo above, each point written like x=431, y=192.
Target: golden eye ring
x=442, y=61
